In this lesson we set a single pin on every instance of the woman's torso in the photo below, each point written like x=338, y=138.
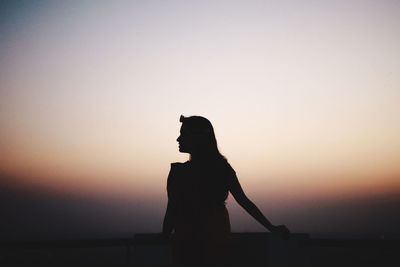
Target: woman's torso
x=198, y=192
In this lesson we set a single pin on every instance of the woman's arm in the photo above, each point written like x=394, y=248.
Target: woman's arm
x=168, y=225
x=241, y=198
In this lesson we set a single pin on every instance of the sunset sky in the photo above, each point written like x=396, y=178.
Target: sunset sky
x=304, y=97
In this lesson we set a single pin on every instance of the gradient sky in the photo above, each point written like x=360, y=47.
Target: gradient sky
x=304, y=95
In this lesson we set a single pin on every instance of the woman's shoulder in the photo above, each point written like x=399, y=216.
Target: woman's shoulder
x=178, y=165
x=176, y=171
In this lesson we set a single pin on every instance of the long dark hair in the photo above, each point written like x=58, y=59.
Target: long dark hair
x=204, y=131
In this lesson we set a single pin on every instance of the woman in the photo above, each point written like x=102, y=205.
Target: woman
x=197, y=190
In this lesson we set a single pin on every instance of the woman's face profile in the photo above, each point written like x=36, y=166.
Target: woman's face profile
x=186, y=141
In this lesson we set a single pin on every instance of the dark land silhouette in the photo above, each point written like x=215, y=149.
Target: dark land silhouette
x=59, y=215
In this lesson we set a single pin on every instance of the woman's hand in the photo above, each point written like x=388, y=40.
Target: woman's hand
x=281, y=230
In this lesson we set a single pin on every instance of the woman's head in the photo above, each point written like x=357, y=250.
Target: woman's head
x=197, y=137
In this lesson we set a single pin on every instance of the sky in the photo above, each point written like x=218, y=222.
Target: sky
x=303, y=95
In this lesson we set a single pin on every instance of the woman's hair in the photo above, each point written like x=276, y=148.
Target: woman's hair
x=203, y=129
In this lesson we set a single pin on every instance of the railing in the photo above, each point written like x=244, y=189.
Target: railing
x=96, y=252
x=248, y=249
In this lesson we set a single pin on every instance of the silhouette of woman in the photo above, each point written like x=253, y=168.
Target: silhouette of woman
x=197, y=190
